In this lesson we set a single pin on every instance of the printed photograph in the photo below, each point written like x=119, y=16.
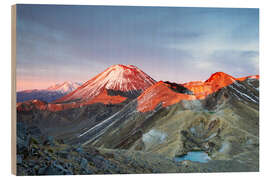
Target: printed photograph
x=136, y=90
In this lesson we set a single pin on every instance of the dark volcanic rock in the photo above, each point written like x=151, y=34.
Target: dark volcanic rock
x=178, y=88
x=129, y=94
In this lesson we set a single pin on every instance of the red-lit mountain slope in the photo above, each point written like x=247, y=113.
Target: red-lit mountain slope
x=117, y=78
x=161, y=93
x=214, y=83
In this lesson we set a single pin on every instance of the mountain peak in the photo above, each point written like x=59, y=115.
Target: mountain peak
x=125, y=78
x=65, y=87
x=220, y=76
x=215, y=82
x=122, y=66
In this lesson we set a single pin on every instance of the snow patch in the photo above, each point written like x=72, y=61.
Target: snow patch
x=65, y=87
x=154, y=137
x=224, y=147
x=211, y=136
x=193, y=130
x=243, y=94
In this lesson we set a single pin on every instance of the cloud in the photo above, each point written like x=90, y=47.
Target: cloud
x=236, y=63
x=176, y=44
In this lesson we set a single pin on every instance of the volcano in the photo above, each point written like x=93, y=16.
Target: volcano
x=117, y=80
x=65, y=87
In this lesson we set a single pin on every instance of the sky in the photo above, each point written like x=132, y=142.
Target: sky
x=178, y=44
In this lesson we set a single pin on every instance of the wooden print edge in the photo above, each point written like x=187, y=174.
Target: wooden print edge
x=13, y=89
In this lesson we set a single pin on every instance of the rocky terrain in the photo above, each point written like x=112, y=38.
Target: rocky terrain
x=42, y=155
x=105, y=127
x=225, y=125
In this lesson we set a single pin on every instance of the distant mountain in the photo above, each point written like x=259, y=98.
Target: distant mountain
x=125, y=81
x=49, y=94
x=65, y=87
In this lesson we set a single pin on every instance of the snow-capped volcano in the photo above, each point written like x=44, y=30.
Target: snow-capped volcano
x=117, y=78
x=65, y=87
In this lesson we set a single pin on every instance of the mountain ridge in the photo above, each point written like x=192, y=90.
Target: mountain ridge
x=49, y=94
x=152, y=93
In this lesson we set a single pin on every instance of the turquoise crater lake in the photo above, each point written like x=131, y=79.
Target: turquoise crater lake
x=195, y=156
